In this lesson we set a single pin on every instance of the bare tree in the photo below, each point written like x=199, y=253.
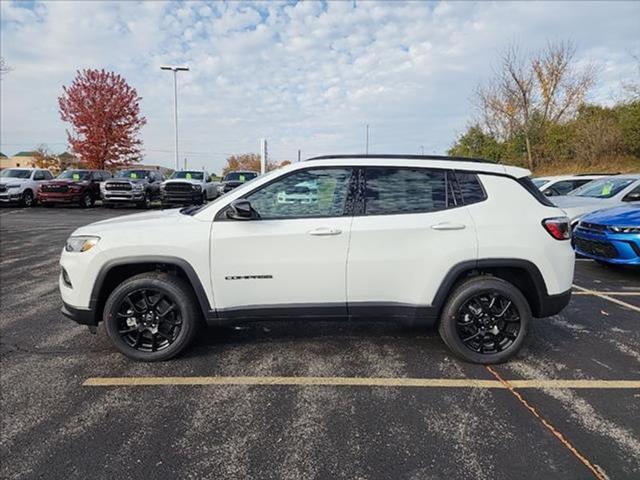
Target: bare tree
x=528, y=93
x=43, y=158
x=4, y=68
x=632, y=89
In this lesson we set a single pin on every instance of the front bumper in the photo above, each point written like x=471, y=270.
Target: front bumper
x=181, y=198
x=7, y=197
x=614, y=248
x=122, y=197
x=79, y=315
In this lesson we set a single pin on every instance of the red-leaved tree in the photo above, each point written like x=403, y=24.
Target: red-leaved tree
x=104, y=112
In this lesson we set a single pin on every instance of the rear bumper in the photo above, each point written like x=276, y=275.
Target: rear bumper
x=79, y=315
x=553, y=304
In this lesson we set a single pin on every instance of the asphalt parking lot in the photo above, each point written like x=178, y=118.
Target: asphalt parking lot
x=310, y=400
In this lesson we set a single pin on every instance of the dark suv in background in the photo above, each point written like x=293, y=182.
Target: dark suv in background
x=73, y=186
x=136, y=186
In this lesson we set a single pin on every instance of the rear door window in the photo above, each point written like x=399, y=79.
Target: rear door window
x=392, y=190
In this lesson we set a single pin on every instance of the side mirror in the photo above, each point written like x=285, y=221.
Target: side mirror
x=632, y=197
x=548, y=193
x=241, y=209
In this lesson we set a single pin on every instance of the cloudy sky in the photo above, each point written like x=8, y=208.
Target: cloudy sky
x=305, y=75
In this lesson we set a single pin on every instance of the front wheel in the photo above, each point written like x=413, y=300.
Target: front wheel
x=151, y=316
x=145, y=203
x=485, y=320
x=86, y=201
x=27, y=199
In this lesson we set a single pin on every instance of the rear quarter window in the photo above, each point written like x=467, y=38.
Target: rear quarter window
x=530, y=187
x=470, y=188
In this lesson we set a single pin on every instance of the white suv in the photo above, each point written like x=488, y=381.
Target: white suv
x=472, y=247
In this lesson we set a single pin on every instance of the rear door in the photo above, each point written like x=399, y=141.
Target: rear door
x=410, y=230
x=291, y=261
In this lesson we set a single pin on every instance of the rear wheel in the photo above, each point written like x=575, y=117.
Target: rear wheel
x=27, y=199
x=485, y=320
x=151, y=316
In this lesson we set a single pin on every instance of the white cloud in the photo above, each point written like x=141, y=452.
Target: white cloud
x=306, y=75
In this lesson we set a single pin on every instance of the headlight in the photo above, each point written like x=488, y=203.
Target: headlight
x=138, y=186
x=163, y=186
x=196, y=187
x=13, y=186
x=625, y=229
x=81, y=243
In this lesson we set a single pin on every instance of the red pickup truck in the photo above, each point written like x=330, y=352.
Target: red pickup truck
x=73, y=186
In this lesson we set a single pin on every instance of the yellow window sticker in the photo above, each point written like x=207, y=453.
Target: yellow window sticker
x=76, y=176
x=134, y=175
x=188, y=176
x=241, y=177
x=606, y=189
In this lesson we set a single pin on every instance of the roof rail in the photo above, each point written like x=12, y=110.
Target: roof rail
x=400, y=157
x=597, y=173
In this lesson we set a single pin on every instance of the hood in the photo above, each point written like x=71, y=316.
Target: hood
x=138, y=221
x=13, y=181
x=625, y=216
x=183, y=180
x=125, y=180
x=65, y=181
x=563, y=201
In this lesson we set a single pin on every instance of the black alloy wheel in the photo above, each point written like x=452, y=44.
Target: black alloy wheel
x=152, y=316
x=148, y=320
x=488, y=323
x=485, y=320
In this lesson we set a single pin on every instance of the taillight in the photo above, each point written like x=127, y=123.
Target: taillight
x=558, y=227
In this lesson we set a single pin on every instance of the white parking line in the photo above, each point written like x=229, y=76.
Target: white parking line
x=602, y=292
x=586, y=291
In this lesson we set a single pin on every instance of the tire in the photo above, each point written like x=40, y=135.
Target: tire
x=145, y=203
x=87, y=201
x=137, y=340
x=471, y=323
x=27, y=200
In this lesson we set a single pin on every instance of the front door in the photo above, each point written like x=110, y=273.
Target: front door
x=291, y=261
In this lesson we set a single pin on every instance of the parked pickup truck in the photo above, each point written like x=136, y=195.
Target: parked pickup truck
x=188, y=187
x=138, y=187
x=20, y=185
x=234, y=179
x=73, y=186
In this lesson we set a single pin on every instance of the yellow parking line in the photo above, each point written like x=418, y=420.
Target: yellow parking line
x=607, y=297
x=359, y=382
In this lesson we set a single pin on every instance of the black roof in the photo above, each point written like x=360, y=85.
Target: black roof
x=401, y=157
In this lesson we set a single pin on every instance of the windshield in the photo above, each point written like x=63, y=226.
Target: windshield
x=189, y=175
x=539, y=182
x=240, y=176
x=13, y=173
x=133, y=174
x=603, y=188
x=74, y=175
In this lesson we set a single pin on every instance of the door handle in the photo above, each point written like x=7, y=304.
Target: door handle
x=448, y=226
x=324, y=231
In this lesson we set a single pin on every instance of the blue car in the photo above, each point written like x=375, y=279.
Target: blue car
x=610, y=236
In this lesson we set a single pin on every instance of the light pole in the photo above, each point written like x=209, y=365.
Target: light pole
x=366, y=144
x=175, y=71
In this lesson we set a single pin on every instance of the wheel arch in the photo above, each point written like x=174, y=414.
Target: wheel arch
x=114, y=272
x=523, y=274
